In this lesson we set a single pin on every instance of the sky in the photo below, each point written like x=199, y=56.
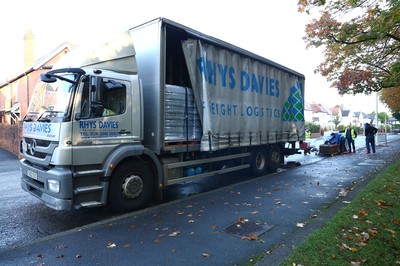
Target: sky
x=271, y=29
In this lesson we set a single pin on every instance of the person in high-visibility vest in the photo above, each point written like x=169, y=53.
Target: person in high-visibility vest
x=350, y=135
x=308, y=133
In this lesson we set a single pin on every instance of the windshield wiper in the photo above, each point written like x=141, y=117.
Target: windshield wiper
x=44, y=119
x=47, y=117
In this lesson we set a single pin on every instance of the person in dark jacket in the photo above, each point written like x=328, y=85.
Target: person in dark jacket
x=370, y=132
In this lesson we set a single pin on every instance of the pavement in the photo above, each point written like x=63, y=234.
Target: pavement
x=232, y=225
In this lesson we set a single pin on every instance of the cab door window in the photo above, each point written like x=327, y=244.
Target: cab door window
x=105, y=97
x=113, y=97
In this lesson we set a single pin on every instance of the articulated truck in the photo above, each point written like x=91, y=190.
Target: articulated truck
x=156, y=105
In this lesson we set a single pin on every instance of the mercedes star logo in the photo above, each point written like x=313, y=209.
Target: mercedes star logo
x=32, y=147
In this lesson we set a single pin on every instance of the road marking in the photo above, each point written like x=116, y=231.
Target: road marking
x=372, y=162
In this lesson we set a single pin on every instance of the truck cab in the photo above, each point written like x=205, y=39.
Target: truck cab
x=76, y=120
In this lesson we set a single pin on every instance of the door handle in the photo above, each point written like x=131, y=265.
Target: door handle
x=124, y=132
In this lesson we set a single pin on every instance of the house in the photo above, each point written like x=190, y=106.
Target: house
x=336, y=111
x=16, y=91
x=308, y=112
x=347, y=117
x=360, y=118
x=320, y=115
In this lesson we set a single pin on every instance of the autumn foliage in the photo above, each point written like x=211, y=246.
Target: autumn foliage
x=361, y=41
x=391, y=97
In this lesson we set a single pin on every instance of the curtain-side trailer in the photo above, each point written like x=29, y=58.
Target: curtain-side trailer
x=156, y=105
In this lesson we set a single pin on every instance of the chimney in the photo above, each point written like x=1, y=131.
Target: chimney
x=29, y=47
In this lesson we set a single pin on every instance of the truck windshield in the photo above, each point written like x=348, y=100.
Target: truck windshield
x=50, y=100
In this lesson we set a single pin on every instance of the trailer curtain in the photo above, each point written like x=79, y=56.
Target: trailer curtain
x=243, y=101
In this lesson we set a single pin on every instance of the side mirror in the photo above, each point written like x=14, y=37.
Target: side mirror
x=48, y=78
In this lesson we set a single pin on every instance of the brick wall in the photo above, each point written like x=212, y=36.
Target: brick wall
x=10, y=136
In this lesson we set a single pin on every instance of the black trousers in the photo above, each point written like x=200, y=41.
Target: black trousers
x=351, y=144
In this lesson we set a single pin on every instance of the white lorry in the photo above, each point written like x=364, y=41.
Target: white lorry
x=156, y=105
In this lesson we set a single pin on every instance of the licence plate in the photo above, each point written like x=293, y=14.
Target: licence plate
x=32, y=174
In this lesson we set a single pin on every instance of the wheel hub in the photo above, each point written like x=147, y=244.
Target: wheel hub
x=132, y=187
x=275, y=157
x=260, y=161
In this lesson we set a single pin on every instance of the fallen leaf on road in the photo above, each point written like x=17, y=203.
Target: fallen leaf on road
x=111, y=245
x=242, y=220
x=253, y=237
x=174, y=233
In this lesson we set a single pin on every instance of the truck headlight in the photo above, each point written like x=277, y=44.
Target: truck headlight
x=53, y=185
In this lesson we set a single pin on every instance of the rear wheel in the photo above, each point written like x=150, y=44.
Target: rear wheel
x=131, y=187
x=274, y=158
x=259, y=161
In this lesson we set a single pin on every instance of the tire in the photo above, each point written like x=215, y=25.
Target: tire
x=274, y=158
x=131, y=187
x=259, y=161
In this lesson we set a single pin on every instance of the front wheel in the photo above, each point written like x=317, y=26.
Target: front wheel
x=131, y=187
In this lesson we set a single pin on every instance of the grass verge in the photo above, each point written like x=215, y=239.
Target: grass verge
x=364, y=232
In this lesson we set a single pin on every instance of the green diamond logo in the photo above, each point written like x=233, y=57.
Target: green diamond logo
x=293, y=108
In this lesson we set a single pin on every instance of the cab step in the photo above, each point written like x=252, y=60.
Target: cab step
x=88, y=204
x=87, y=189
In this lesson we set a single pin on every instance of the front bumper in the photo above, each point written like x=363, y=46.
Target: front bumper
x=34, y=181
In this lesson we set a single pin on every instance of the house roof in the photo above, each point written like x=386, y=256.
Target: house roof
x=335, y=110
x=345, y=113
x=40, y=63
x=307, y=106
x=319, y=108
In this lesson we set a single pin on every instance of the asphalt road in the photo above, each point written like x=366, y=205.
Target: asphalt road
x=24, y=219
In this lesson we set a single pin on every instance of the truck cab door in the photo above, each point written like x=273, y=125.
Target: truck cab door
x=102, y=119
